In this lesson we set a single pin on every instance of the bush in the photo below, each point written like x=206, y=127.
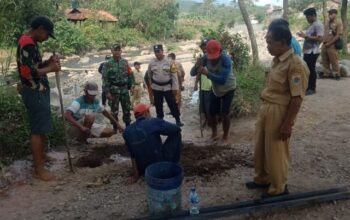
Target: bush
x=232, y=44
x=250, y=83
x=77, y=39
x=70, y=39
x=185, y=33
x=14, y=127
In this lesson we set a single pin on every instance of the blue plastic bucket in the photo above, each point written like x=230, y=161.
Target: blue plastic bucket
x=164, y=187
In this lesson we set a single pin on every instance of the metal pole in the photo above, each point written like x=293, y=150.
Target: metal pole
x=63, y=120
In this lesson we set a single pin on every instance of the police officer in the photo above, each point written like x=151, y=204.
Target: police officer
x=164, y=83
x=117, y=81
x=333, y=31
x=285, y=89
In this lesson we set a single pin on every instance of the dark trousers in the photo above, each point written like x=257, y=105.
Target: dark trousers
x=171, y=148
x=170, y=99
x=205, y=102
x=104, y=98
x=310, y=60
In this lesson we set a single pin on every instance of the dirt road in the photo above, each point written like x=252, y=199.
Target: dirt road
x=320, y=152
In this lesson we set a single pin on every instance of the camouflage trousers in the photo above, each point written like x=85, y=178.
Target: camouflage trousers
x=124, y=100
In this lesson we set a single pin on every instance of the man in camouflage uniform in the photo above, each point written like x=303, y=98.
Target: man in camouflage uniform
x=117, y=81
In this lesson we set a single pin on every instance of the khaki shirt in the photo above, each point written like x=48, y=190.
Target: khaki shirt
x=138, y=77
x=161, y=71
x=287, y=78
x=180, y=73
x=333, y=28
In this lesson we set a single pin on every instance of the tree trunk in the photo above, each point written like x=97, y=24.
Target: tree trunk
x=324, y=12
x=251, y=33
x=285, y=10
x=344, y=7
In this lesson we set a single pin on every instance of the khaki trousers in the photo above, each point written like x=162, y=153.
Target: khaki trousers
x=136, y=97
x=329, y=57
x=271, y=156
x=178, y=98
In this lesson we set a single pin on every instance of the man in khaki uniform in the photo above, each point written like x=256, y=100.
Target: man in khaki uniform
x=285, y=89
x=181, y=78
x=137, y=88
x=333, y=31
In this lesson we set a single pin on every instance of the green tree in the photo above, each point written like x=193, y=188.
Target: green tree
x=344, y=17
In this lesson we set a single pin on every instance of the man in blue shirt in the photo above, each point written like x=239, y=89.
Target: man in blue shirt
x=218, y=68
x=143, y=139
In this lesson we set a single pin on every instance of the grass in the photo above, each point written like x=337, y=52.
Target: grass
x=250, y=83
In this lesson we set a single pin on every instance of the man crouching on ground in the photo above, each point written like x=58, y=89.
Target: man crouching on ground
x=143, y=139
x=81, y=115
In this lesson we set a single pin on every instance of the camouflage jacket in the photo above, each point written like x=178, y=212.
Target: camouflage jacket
x=117, y=76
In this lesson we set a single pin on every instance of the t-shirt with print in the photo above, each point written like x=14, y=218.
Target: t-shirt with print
x=80, y=107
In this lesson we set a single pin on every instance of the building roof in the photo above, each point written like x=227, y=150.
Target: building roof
x=82, y=14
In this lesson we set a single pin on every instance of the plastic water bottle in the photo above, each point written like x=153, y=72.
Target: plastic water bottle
x=194, y=201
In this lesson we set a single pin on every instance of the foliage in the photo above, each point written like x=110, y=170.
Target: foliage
x=250, y=83
x=301, y=5
x=297, y=23
x=21, y=12
x=70, y=39
x=14, y=127
x=185, y=32
x=232, y=44
x=155, y=19
x=76, y=39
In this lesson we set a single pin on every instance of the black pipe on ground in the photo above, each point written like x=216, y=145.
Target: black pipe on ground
x=286, y=201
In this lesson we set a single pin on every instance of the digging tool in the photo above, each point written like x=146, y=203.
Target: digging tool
x=64, y=121
x=200, y=101
x=200, y=105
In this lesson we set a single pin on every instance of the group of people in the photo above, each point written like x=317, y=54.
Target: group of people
x=329, y=35
x=287, y=83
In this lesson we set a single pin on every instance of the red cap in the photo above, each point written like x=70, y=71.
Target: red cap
x=140, y=108
x=213, y=49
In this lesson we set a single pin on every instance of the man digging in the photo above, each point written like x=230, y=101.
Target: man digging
x=35, y=90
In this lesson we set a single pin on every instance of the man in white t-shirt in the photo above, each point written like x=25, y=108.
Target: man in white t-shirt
x=81, y=115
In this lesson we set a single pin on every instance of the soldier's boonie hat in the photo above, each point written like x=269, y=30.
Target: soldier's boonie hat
x=91, y=88
x=116, y=46
x=333, y=11
x=310, y=12
x=157, y=47
x=45, y=22
x=213, y=49
x=140, y=108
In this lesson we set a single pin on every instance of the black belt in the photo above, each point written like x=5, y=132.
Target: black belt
x=161, y=83
x=119, y=84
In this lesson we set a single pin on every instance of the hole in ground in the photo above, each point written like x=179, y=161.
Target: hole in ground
x=203, y=161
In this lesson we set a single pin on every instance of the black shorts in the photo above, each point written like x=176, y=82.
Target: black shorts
x=221, y=105
x=38, y=109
